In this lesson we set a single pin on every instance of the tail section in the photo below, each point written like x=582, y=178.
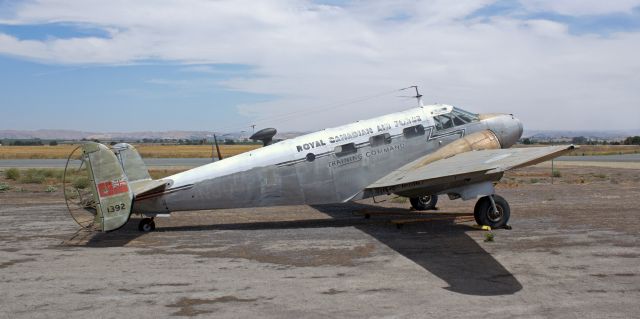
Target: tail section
x=136, y=170
x=110, y=187
x=116, y=177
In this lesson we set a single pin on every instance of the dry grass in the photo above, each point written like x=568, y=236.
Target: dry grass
x=146, y=151
x=190, y=151
x=162, y=173
x=605, y=150
x=204, y=151
x=584, y=150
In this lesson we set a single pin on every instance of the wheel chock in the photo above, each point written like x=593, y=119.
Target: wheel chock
x=482, y=227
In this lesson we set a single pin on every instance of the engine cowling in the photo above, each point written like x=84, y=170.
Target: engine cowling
x=483, y=140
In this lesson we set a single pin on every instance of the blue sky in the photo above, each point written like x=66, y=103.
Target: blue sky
x=197, y=65
x=141, y=96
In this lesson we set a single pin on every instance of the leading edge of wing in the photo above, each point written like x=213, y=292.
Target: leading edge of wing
x=483, y=161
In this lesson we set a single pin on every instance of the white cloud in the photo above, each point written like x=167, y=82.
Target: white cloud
x=317, y=55
x=581, y=7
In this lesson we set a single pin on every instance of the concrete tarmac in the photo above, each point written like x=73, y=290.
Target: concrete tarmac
x=573, y=252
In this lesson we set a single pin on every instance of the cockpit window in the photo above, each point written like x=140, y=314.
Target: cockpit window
x=457, y=120
x=443, y=122
x=457, y=117
x=465, y=115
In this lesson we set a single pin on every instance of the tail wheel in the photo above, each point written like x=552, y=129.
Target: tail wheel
x=78, y=191
x=424, y=202
x=484, y=213
x=146, y=225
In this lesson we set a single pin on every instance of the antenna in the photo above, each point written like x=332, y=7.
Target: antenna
x=417, y=96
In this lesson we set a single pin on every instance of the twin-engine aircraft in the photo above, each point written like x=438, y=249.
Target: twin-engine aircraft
x=419, y=153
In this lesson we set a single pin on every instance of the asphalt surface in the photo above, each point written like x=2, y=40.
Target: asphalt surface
x=193, y=162
x=573, y=252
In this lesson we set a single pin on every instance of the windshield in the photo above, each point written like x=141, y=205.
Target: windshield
x=457, y=117
x=465, y=115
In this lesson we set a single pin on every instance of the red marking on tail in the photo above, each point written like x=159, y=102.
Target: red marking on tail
x=111, y=188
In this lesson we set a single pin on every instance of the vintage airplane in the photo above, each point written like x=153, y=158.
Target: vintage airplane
x=418, y=153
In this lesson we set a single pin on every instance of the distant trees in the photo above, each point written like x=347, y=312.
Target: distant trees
x=27, y=143
x=526, y=141
x=53, y=143
x=632, y=140
x=579, y=140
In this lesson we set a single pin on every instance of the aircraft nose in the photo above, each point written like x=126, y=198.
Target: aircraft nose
x=507, y=128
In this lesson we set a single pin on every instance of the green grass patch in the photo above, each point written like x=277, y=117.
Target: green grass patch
x=39, y=175
x=4, y=187
x=489, y=237
x=80, y=182
x=12, y=174
x=556, y=173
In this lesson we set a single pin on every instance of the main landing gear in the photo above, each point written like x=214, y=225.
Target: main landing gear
x=492, y=211
x=146, y=225
x=427, y=202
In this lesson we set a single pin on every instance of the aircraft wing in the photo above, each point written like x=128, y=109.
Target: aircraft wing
x=469, y=166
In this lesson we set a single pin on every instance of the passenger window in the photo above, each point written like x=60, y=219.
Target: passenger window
x=381, y=139
x=345, y=149
x=413, y=131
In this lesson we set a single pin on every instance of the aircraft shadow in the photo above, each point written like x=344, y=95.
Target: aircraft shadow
x=440, y=246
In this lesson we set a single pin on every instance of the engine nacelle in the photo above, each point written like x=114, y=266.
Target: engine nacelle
x=483, y=140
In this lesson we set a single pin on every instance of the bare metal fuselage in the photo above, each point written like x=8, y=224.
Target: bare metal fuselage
x=286, y=174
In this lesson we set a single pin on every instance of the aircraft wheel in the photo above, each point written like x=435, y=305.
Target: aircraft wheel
x=147, y=225
x=424, y=202
x=484, y=213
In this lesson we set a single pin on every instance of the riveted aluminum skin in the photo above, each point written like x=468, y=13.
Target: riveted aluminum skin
x=285, y=174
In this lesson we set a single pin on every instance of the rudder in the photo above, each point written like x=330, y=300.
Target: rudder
x=110, y=186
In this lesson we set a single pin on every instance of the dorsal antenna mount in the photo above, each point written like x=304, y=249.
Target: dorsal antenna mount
x=418, y=96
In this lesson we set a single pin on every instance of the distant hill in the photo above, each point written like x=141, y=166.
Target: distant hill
x=602, y=135
x=127, y=136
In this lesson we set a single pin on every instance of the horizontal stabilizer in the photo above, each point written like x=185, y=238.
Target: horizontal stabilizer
x=146, y=187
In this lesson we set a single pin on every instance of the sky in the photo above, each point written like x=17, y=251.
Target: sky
x=302, y=65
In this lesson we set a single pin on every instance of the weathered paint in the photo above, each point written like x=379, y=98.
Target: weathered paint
x=285, y=174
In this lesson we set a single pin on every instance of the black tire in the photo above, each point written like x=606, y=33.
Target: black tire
x=476, y=209
x=426, y=202
x=146, y=225
x=484, y=214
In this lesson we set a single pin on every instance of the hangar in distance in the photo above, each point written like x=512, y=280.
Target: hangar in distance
x=418, y=153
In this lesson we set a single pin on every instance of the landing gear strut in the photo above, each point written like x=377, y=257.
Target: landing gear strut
x=492, y=211
x=146, y=225
x=427, y=202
